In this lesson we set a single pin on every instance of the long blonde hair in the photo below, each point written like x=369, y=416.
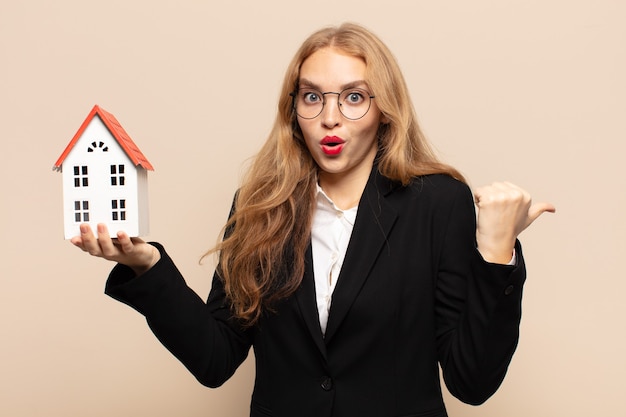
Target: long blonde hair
x=262, y=255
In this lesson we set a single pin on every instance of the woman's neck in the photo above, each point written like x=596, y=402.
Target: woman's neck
x=344, y=190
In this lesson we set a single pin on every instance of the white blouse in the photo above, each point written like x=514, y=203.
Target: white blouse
x=330, y=235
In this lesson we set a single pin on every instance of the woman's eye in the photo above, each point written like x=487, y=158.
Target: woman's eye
x=311, y=97
x=354, y=97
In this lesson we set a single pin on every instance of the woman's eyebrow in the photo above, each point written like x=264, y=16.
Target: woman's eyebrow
x=310, y=84
x=303, y=82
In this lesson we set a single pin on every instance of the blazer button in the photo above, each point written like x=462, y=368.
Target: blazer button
x=327, y=385
x=509, y=290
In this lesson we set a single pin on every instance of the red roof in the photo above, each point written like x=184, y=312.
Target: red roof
x=118, y=133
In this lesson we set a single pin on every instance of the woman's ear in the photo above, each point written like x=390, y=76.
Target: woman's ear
x=384, y=119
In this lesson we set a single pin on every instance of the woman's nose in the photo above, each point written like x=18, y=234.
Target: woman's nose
x=331, y=113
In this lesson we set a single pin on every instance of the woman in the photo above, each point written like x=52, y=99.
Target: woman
x=352, y=261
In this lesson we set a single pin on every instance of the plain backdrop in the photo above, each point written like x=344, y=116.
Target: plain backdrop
x=530, y=91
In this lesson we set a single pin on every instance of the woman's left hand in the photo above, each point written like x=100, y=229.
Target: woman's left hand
x=504, y=211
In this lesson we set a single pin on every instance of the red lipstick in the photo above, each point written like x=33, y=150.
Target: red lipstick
x=332, y=145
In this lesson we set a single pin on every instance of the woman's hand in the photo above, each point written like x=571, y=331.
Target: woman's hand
x=132, y=252
x=504, y=211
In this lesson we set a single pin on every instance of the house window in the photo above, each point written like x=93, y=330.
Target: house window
x=80, y=176
x=98, y=145
x=117, y=175
x=81, y=211
x=118, y=210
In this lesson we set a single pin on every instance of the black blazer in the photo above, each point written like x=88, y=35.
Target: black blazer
x=413, y=293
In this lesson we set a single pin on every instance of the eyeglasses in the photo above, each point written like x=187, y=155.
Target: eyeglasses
x=354, y=103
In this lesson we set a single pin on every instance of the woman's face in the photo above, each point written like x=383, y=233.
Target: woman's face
x=343, y=148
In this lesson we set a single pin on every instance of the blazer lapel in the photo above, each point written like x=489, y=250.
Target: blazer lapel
x=375, y=218
x=307, y=302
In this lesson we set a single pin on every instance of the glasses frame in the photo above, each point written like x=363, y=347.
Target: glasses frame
x=294, y=97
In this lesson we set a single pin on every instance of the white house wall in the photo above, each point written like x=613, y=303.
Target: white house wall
x=99, y=192
x=142, y=202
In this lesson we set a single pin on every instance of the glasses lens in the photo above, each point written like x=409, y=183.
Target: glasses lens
x=309, y=103
x=354, y=103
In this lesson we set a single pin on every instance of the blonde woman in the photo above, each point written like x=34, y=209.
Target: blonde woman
x=353, y=262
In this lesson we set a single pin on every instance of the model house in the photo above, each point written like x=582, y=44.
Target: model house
x=105, y=178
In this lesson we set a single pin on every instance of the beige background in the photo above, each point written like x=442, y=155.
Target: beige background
x=531, y=91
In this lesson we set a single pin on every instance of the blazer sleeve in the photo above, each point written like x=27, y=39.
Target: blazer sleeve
x=478, y=308
x=203, y=336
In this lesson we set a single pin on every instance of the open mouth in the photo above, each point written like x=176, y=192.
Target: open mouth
x=332, y=140
x=332, y=145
